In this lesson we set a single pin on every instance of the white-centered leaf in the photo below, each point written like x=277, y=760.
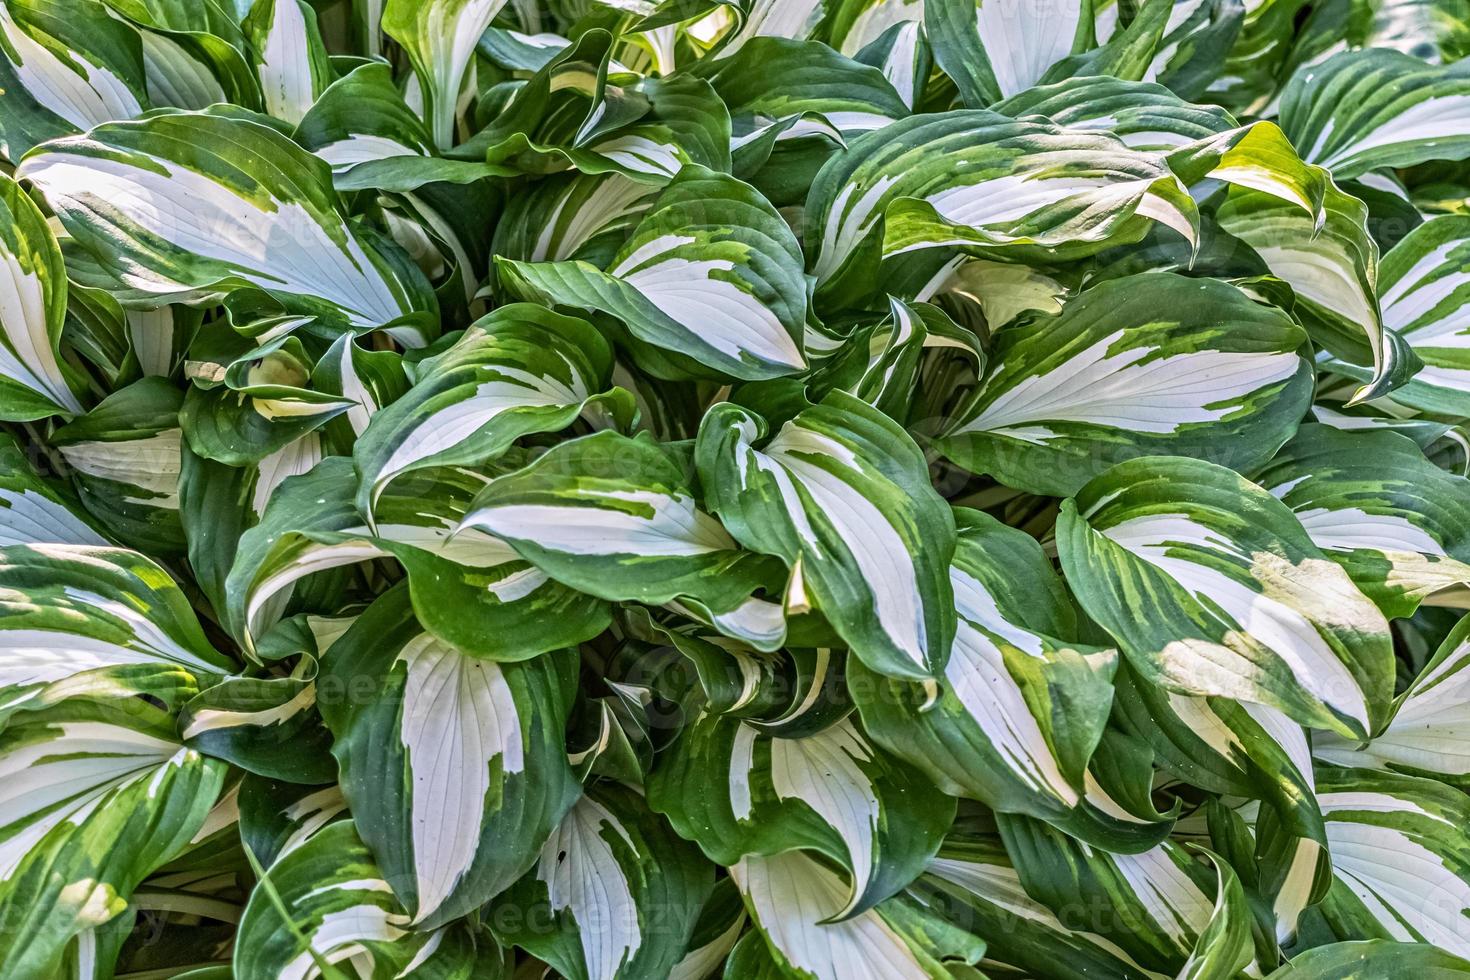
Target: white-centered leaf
x=842, y=495
x=1212, y=587
x=290, y=59
x=96, y=796
x=476, y=752
x=622, y=892
x=1430, y=731
x=341, y=912
x=1371, y=500
x=32, y=307
x=64, y=71
x=1424, y=283
x=1143, y=365
x=439, y=37
x=736, y=790
x=980, y=179
x=1399, y=854
x=710, y=281
x=1364, y=110
x=791, y=895
x=522, y=369
x=1019, y=710
x=149, y=200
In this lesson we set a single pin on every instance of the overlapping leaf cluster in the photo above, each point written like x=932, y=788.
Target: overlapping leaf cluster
x=748, y=488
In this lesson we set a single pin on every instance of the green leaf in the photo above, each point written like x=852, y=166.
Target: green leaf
x=771, y=79
x=1361, y=960
x=268, y=726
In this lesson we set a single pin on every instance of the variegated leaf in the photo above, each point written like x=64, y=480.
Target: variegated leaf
x=1020, y=708
x=289, y=57
x=64, y=70
x=791, y=897
x=117, y=191
x=1144, y=115
x=735, y=791
x=1399, y=524
x=710, y=281
x=1401, y=861
x=1154, y=906
x=1362, y=110
x=455, y=767
x=621, y=893
x=34, y=510
x=1331, y=263
x=78, y=617
x=1143, y=365
x=977, y=178
x=974, y=883
x=616, y=518
x=97, y=794
x=1423, y=283
x=471, y=590
x=439, y=37
x=842, y=495
x=33, y=383
x=341, y=911
x=519, y=370
x=1430, y=726
x=125, y=458
x=1212, y=587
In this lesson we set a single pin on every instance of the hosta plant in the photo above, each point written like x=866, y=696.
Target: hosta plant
x=811, y=489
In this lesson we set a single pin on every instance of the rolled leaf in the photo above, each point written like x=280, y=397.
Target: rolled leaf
x=841, y=494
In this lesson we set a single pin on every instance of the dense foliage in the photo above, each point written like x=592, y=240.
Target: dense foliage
x=832, y=489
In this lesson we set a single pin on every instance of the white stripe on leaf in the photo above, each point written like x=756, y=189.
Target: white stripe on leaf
x=459, y=716
x=582, y=873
